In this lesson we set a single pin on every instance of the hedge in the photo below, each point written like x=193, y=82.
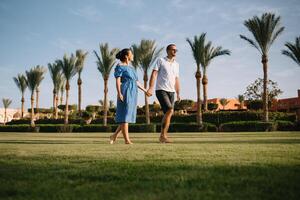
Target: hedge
x=16, y=128
x=94, y=128
x=58, y=128
x=285, y=126
x=216, y=118
x=192, y=127
x=247, y=126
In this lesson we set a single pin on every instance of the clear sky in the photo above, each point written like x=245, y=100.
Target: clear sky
x=36, y=32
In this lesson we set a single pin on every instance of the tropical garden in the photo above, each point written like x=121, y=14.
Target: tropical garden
x=66, y=117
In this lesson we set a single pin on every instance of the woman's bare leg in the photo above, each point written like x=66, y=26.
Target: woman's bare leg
x=125, y=133
x=114, y=136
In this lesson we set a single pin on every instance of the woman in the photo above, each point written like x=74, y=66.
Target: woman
x=127, y=87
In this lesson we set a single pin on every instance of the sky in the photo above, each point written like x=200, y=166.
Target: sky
x=37, y=32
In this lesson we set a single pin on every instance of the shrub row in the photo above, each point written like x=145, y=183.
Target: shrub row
x=238, y=126
x=148, y=128
x=216, y=118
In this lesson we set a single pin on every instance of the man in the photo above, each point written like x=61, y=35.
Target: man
x=166, y=71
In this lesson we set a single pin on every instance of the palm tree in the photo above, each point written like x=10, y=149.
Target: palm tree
x=55, y=73
x=68, y=67
x=265, y=30
x=224, y=102
x=145, y=55
x=293, y=50
x=62, y=89
x=241, y=100
x=197, y=46
x=40, y=71
x=6, y=104
x=32, y=82
x=105, y=63
x=81, y=55
x=209, y=53
x=21, y=83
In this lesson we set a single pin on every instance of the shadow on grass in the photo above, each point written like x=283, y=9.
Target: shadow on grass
x=59, y=178
x=155, y=140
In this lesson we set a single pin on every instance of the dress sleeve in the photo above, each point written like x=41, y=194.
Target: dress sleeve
x=118, y=71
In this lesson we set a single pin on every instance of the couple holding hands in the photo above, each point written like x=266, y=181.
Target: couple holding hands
x=166, y=75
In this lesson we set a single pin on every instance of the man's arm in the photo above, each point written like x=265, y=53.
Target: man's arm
x=152, y=81
x=177, y=88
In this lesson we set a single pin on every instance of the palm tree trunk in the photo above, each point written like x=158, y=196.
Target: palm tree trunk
x=146, y=100
x=67, y=105
x=79, y=82
x=32, y=110
x=199, y=110
x=37, y=102
x=4, y=116
x=54, y=97
x=22, y=109
x=105, y=102
x=61, y=99
x=265, y=90
x=204, y=83
x=56, y=107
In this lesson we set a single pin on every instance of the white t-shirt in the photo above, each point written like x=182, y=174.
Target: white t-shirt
x=167, y=73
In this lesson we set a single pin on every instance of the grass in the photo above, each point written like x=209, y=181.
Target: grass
x=195, y=166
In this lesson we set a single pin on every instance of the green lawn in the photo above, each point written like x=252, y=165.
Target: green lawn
x=195, y=166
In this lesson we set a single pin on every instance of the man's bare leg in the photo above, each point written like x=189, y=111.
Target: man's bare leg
x=165, y=126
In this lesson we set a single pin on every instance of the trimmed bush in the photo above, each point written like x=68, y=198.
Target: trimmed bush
x=247, y=126
x=147, y=128
x=94, y=128
x=16, y=128
x=285, y=126
x=297, y=126
x=57, y=128
x=99, y=121
x=192, y=127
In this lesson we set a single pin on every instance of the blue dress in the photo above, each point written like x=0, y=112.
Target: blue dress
x=126, y=109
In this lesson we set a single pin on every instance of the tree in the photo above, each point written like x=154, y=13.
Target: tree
x=265, y=30
x=81, y=55
x=209, y=53
x=241, y=100
x=40, y=71
x=32, y=81
x=21, y=83
x=105, y=63
x=254, y=91
x=62, y=89
x=224, y=102
x=145, y=54
x=6, y=104
x=197, y=46
x=111, y=104
x=56, y=76
x=68, y=67
x=184, y=104
x=293, y=50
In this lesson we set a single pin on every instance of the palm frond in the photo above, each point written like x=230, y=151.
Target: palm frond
x=106, y=61
x=81, y=56
x=21, y=82
x=67, y=65
x=293, y=50
x=197, y=45
x=6, y=102
x=265, y=30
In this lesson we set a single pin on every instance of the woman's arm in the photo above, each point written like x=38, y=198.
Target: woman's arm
x=141, y=86
x=118, y=85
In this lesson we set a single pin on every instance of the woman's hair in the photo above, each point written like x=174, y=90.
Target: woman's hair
x=121, y=55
